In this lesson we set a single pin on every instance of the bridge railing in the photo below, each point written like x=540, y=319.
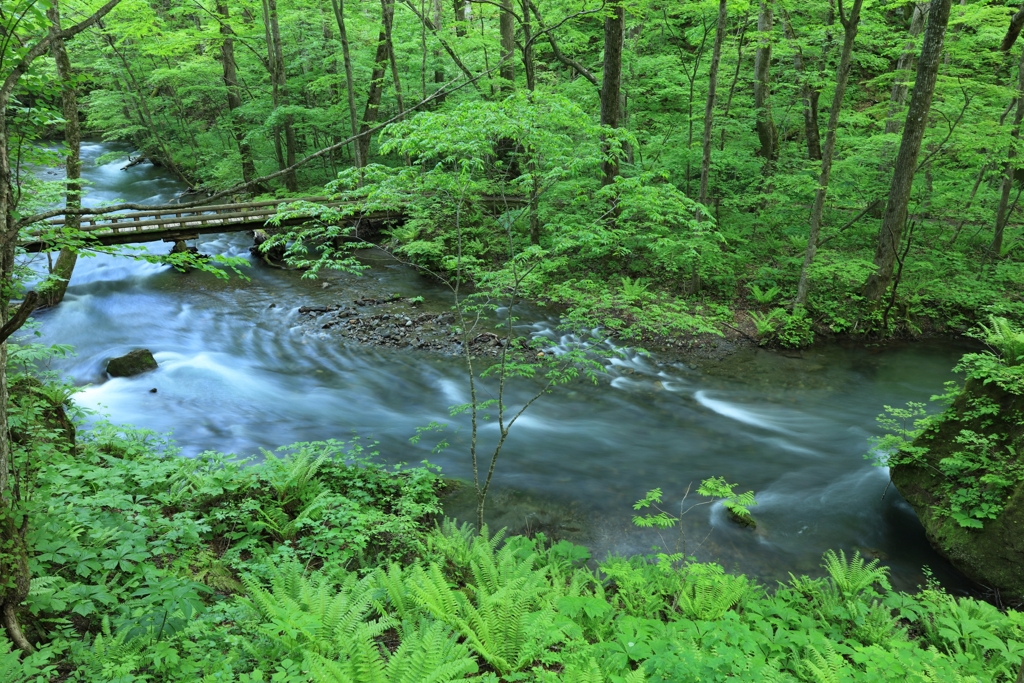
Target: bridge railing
x=204, y=214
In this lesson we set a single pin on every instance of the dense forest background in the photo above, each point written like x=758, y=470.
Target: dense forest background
x=650, y=108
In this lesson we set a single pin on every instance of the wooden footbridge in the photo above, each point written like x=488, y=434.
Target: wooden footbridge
x=178, y=225
x=170, y=225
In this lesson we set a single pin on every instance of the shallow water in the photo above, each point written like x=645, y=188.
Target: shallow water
x=238, y=372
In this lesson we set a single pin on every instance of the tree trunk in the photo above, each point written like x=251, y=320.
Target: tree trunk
x=842, y=78
x=709, y=105
x=227, y=55
x=439, y=76
x=528, y=65
x=339, y=15
x=1012, y=31
x=611, y=87
x=461, y=17
x=740, y=34
x=67, y=258
x=898, y=95
x=507, y=26
x=388, y=7
x=766, y=132
x=807, y=93
x=1002, y=213
x=290, y=181
x=895, y=217
x=373, y=98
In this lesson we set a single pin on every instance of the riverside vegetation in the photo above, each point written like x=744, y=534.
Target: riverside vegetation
x=319, y=565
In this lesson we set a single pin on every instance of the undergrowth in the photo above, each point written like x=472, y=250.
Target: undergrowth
x=317, y=565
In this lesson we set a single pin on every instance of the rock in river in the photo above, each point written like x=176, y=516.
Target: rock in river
x=983, y=431
x=133, y=363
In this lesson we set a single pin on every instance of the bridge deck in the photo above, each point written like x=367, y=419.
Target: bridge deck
x=171, y=225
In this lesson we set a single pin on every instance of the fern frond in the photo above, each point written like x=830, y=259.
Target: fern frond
x=854, y=577
x=823, y=667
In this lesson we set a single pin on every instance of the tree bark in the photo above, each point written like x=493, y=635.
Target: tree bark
x=380, y=64
x=842, y=78
x=709, y=105
x=895, y=217
x=439, y=76
x=67, y=258
x=611, y=87
x=227, y=55
x=507, y=27
x=740, y=34
x=1002, y=212
x=461, y=17
x=1012, y=31
x=290, y=180
x=388, y=7
x=807, y=93
x=766, y=131
x=271, y=64
x=898, y=95
x=528, y=65
x=339, y=15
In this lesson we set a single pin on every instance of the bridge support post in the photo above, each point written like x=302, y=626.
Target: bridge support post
x=273, y=256
x=180, y=246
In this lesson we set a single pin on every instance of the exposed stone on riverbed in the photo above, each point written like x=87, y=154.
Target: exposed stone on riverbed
x=394, y=322
x=132, y=363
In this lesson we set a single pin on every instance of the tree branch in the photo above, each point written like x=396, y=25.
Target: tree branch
x=43, y=46
x=568, y=61
x=29, y=304
x=444, y=43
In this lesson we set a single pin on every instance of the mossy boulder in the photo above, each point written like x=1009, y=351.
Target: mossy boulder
x=992, y=555
x=131, y=364
x=744, y=519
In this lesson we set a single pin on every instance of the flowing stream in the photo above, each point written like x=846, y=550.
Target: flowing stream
x=238, y=372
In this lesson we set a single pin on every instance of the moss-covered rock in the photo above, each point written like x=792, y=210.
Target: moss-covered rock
x=131, y=364
x=935, y=482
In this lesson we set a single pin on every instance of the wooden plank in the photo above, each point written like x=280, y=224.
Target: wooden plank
x=176, y=230
x=192, y=219
x=204, y=209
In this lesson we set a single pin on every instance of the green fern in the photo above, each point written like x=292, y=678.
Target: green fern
x=113, y=656
x=764, y=297
x=824, y=667
x=454, y=546
x=429, y=653
x=632, y=290
x=854, y=577
x=293, y=478
x=311, y=613
x=766, y=322
x=709, y=592
x=503, y=623
x=1005, y=338
x=396, y=596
